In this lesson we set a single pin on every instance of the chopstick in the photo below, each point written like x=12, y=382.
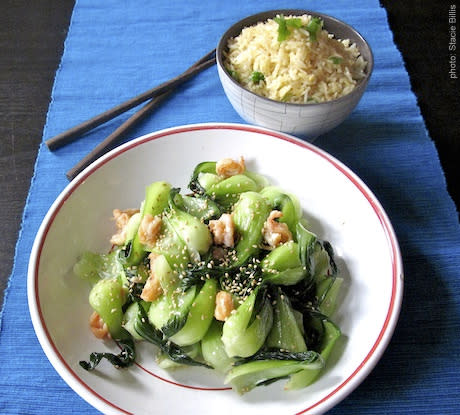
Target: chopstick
x=71, y=134
x=113, y=138
x=159, y=94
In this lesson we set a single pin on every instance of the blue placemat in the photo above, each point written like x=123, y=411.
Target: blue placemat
x=116, y=49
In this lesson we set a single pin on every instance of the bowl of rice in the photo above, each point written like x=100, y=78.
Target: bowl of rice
x=295, y=71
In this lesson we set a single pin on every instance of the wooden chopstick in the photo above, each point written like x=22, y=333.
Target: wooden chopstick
x=113, y=138
x=71, y=134
x=116, y=136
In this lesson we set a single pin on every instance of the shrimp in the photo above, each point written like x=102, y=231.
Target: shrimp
x=223, y=230
x=275, y=233
x=224, y=305
x=228, y=167
x=97, y=326
x=121, y=220
x=149, y=229
x=152, y=288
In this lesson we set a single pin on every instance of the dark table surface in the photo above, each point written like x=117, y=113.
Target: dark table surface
x=32, y=35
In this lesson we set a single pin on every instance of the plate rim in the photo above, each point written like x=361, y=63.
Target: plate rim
x=328, y=401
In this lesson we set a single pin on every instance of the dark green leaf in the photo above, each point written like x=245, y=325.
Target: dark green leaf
x=331, y=281
x=157, y=337
x=201, y=206
x=306, y=241
x=175, y=200
x=204, y=167
x=239, y=279
x=124, y=359
x=259, y=303
x=175, y=323
x=328, y=248
x=270, y=381
x=277, y=354
x=314, y=323
x=198, y=274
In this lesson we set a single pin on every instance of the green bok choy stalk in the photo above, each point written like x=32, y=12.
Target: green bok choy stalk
x=213, y=348
x=286, y=333
x=327, y=282
x=153, y=335
x=284, y=295
x=93, y=267
x=156, y=199
x=244, y=332
x=287, y=204
x=201, y=207
x=107, y=298
x=266, y=367
x=130, y=317
x=282, y=266
x=200, y=316
x=225, y=191
x=306, y=241
x=317, y=300
x=171, y=246
x=169, y=312
x=185, y=317
x=249, y=216
x=308, y=375
x=165, y=362
x=167, y=277
x=205, y=167
x=191, y=231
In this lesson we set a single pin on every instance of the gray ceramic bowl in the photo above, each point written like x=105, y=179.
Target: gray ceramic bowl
x=306, y=120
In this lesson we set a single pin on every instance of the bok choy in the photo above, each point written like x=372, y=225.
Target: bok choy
x=226, y=276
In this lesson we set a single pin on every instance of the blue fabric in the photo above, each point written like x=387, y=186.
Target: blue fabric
x=116, y=49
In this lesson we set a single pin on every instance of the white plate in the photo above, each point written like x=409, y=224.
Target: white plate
x=340, y=208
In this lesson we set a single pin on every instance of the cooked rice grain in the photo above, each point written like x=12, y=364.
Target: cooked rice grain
x=297, y=69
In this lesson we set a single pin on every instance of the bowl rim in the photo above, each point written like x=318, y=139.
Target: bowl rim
x=339, y=392
x=262, y=16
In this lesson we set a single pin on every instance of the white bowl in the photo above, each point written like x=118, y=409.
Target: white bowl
x=339, y=207
x=306, y=120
